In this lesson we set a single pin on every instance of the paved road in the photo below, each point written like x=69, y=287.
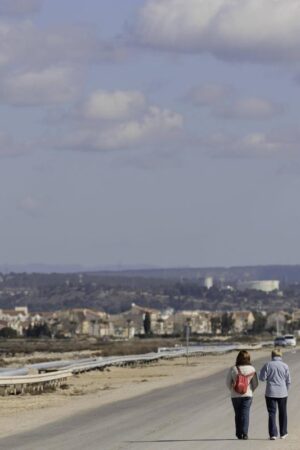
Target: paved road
x=193, y=415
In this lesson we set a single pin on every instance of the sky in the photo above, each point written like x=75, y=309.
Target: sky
x=149, y=132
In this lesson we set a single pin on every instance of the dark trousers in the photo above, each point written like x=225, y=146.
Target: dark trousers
x=241, y=407
x=272, y=403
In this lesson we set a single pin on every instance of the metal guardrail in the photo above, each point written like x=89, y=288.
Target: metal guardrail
x=36, y=378
x=13, y=372
x=82, y=365
x=37, y=383
x=51, y=374
x=48, y=365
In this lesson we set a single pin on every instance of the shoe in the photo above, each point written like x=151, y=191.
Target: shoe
x=245, y=437
x=239, y=436
x=273, y=438
x=284, y=436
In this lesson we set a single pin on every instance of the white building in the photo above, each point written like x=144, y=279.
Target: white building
x=260, y=285
x=208, y=282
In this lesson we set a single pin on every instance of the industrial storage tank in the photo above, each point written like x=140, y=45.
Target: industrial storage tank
x=260, y=285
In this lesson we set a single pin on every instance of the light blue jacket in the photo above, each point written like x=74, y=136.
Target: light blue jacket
x=277, y=375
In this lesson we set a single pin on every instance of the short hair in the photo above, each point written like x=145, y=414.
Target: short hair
x=276, y=352
x=243, y=358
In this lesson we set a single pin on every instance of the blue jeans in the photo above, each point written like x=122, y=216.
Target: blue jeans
x=272, y=403
x=241, y=407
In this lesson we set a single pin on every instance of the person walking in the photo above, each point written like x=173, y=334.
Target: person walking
x=277, y=375
x=242, y=380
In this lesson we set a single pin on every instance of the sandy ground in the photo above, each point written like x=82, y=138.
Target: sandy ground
x=93, y=389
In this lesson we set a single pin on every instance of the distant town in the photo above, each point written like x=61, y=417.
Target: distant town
x=146, y=304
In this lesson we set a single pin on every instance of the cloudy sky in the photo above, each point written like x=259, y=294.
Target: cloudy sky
x=157, y=132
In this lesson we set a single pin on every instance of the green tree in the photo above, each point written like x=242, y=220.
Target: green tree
x=259, y=323
x=38, y=331
x=215, y=323
x=227, y=323
x=7, y=332
x=147, y=324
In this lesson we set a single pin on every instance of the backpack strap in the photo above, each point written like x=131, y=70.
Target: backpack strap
x=247, y=375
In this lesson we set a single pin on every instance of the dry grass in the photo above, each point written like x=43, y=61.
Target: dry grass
x=21, y=346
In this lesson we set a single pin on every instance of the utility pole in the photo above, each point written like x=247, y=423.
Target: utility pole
x=187, y=334
x=277, y=325
x=129, y=321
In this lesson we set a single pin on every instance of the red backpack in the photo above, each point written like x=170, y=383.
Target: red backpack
x=241, y=382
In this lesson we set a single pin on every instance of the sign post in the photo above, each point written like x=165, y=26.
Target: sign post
x=187, y=334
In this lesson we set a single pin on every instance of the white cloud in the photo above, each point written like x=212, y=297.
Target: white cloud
x=112, y=105
x=156, y=125
x=49, y=86
x=250, y=108
x=45, y=66
x=252, y=30
x=254, y=145
x=116, y=120
x=224, y=102
x=23, y=44
x=208, y=94
x=19, y=7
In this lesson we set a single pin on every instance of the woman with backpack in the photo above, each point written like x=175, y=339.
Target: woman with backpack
x=242, y=381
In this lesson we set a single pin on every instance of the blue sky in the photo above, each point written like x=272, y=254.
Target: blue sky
x=159, y=132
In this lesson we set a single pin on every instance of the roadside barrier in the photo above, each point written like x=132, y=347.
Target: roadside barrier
x=50, y=375
x=19, y=384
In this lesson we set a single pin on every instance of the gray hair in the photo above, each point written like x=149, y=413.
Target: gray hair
x=276, y=352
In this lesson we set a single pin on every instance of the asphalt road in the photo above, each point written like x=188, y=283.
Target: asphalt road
x=189, y=416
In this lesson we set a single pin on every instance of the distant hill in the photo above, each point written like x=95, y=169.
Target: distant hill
x=284, y=273
x=67, y=268
x=115, y=291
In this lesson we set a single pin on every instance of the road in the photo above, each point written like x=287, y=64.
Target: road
x=193, y=415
